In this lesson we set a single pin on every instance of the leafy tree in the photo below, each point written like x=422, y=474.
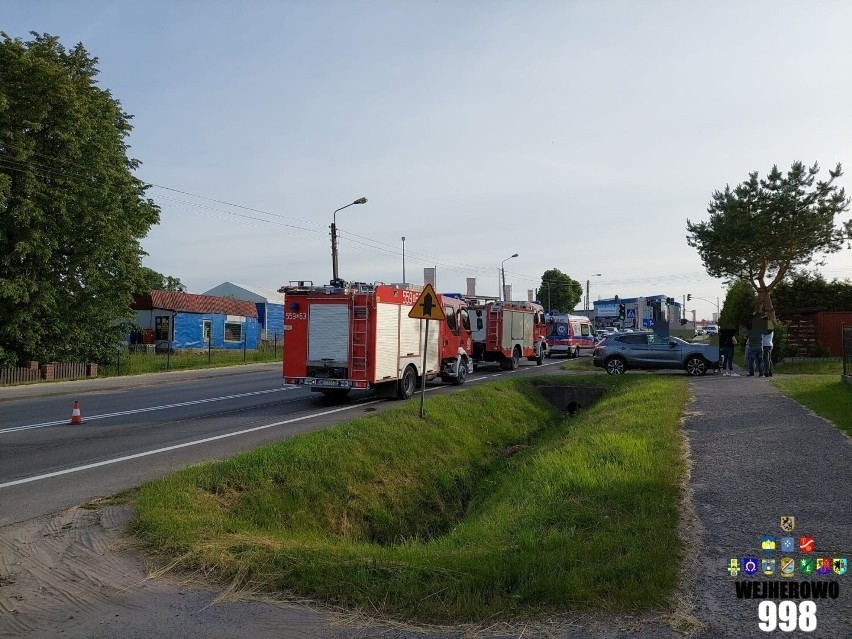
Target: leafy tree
x=762, y=228
x=738, y=307
x=151, y=280
x=71, y=212
x=805, y=289
x=558, y=291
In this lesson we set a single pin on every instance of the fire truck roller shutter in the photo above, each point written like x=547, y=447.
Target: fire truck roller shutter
x=328, y=334
x=387, y=342
x=528, y=342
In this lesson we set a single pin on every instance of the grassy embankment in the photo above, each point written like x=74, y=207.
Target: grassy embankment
x=496, y=504
x=139, y=363
x=580, y=364
x=818, y=386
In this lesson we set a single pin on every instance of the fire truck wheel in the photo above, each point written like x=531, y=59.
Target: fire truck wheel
x=458, y=380
x=408, y=383
x=511, y=363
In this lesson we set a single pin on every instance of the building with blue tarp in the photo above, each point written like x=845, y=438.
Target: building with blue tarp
x=186, y=320
x=269, y=304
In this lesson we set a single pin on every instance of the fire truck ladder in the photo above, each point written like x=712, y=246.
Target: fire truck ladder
x=360, y=328
x=491, y=335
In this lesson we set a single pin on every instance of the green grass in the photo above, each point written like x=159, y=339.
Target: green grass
x=495, y=505
x=826, y=395
x=580, y=363
x=810, y=367
x=139, y=363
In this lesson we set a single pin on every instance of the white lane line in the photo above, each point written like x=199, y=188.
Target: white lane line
x=199, y=441
x=151, y=408
x=166, y=449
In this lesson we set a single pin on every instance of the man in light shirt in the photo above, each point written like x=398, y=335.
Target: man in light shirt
x=766, y=342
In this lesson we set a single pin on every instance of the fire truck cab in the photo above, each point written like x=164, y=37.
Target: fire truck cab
x=504, y=332
x=353, y=335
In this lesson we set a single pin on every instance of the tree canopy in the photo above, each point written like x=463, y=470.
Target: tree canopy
x=72, y=214
x=738, y=307
x=802, y=290
x=151, y=280
x=558, y=291
x=762, y=228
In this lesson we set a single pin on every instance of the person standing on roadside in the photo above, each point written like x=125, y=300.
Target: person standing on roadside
x=766, y=343
x=755, y=346
x=729, y=341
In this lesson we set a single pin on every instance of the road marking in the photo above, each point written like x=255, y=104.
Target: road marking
x=166, y=449
x=152, y=408
x=117, y=460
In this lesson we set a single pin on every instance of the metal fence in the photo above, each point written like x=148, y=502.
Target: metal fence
x=847, y=350
x=165, y=356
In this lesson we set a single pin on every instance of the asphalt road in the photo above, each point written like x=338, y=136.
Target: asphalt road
x=145, y=427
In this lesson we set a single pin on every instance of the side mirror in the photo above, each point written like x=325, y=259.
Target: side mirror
x=672, y=344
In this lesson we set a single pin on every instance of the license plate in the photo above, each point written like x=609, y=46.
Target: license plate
x=332, y=382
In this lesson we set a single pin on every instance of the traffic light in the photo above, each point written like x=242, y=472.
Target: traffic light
x=621, y=312
x=670, y=301
x=689, y=297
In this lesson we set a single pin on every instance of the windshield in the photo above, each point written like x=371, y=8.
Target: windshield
x=558, y=330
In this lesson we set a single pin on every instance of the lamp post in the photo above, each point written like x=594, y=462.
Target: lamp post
x=587, y=289
x=403, y=259
x=360, y=200
x=503, y=273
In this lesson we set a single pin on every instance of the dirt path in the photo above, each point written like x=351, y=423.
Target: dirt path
x=76, y=574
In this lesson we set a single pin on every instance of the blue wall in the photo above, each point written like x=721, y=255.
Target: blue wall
x=188, y=331
x=274, y=321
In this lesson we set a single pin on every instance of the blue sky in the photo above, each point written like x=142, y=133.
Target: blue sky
x=580, y=135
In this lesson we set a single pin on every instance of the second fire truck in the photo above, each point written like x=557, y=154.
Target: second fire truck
x=506, y=332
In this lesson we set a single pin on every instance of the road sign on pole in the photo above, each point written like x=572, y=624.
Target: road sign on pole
x=427, y=307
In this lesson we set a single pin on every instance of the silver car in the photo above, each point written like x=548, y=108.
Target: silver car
x=619, y=352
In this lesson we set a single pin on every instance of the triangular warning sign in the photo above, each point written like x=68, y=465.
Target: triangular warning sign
x=427, y=306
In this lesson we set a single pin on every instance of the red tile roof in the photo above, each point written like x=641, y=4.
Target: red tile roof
x=191, y=303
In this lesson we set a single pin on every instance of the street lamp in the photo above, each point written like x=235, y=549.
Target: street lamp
x=403, y=259
x=587, y=289
x=503, y=272
x=360, y=200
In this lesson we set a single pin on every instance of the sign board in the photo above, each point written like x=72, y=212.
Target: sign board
x=427, y=306
x=606, y=310
x=631, y=312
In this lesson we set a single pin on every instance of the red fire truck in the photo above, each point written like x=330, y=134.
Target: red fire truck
x=504, y=332
x=351, y=335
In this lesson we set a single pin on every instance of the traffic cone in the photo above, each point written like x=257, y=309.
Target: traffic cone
x=76, y=417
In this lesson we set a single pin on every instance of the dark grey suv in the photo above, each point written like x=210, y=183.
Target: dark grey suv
x=619, y=352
